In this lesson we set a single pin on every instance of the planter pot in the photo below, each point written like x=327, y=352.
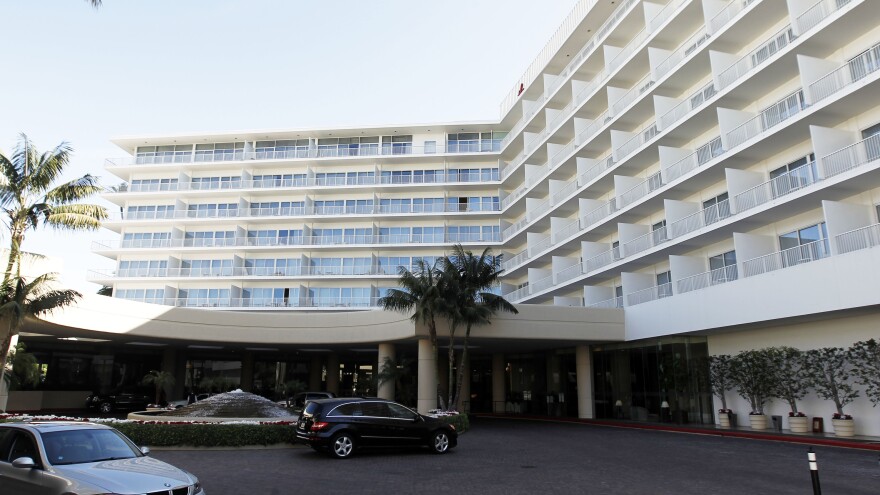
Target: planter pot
x=758, y=421
x=798, y=424
x=724, y=419
x=844, y=427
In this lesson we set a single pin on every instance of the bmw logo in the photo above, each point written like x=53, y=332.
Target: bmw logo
x=167, y=485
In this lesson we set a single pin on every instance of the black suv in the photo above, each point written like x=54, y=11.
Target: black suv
x=342, y=425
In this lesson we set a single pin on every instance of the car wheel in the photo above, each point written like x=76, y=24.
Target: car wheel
x=106, y=407
x=342, y=445
x=440, y=442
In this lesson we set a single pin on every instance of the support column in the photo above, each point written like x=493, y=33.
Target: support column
x=584, y=370
x=247, y=372
x=443, y=379
x=498, y=395
x=464, y=401
x=333, y=373
x=4, y=389
x=386, y=389
x=315, y=372
x=427, y=393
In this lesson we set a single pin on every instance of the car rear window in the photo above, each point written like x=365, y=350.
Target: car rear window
x=311, y=409
x=352, y=409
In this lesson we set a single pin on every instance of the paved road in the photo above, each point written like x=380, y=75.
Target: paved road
x=511, y=457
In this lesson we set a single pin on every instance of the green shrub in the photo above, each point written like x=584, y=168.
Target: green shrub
x=459, y=421
x=205, y=435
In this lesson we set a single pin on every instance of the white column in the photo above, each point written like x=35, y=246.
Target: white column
x=498, y=382
x=584, y=370
x=427, y=393
x=386, y=389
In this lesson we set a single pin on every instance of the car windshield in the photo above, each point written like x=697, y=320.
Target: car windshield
x=87, y=445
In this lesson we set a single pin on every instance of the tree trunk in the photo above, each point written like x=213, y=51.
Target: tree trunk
x=4, y=349
x=15, y=238
x=432, y=334
x=464, y=351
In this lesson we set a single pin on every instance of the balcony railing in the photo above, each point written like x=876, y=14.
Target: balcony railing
x=614, y=302
x=858, y=239
x=756, y=57
x=700, y=219
x=649, y=294
x=645, y=242
x=853, y=71
x=727, y=14
x=602, y=259
x=707, y=279
x=817, y=13
x=786, y=258
x=701, y=156
x=777, y=113
x=650, y=184
x=307, y=302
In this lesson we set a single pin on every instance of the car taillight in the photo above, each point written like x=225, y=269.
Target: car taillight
x=319, y=425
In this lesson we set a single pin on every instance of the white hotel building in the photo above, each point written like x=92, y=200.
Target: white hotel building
x=669, y=179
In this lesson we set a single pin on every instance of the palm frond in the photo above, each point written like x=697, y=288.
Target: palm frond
x=75, y=190
x=76, y=217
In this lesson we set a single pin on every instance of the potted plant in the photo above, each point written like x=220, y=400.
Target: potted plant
x=752, y=374
x=865, y=359
x=721, y=381
x=790, y=383
x=829, y=370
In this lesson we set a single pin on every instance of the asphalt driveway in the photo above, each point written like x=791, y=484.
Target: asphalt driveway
x=511, y=456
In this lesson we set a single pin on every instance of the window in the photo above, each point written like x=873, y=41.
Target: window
x=715, y=209
x=782, y=110
x=273, y=150
x=147, y=185
x=722, y=268
x=210, y=210
x=804, y=245
x=865, y=63
x=793, y=176
x=204, y=297
x=768, y=49
x=206, y=268
x=209, y=238
x=658, y=232
x=18, y=444
x=270, y=297
x=226, y=182
x=181, y=153
x=871, y=137
x=397, y=145
x=664, y=284
x=146, y=239
x=143, y=268
x=399, y=412
x=615, y=250
x=219, y=152
x=279, y=180
x=150, y=212
x=152, y=296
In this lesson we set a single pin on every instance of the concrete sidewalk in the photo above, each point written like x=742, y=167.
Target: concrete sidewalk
x=825, y=439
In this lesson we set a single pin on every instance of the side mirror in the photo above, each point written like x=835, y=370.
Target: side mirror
x=145, y=450
x=24, y=463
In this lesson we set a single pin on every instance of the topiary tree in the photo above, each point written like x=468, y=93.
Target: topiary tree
x=865, y=359
x=829, y=370
x=25, y=369
x=720, y=378
x=752, y=375
x=790, y=377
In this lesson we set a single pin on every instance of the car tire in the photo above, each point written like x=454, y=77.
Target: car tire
x=342, y=445
x=439, y=442
x=106, y=408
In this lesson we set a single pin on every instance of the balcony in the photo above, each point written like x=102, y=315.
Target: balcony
x=308, y=302
x=707, y=279
x=786, y=258
x=649, y=294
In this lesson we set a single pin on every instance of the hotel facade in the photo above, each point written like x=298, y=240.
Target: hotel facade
x=668, y=180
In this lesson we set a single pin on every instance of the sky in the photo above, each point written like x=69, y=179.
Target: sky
x=147, y=67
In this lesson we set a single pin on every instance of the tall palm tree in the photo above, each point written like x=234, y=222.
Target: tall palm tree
x=29, y=196
x=20, y=299
x=418, y=295
x=472, y=278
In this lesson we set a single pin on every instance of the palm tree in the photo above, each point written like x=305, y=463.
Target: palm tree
x=95, y=3
x=29, y=196
x=159, y=379
x=419, y=295
x=20, y=299
x=398, y=372
x=472, y=277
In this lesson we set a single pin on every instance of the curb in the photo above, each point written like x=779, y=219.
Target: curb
x=826, y=442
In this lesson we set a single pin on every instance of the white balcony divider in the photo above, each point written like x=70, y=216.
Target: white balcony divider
x=516, y=260
x=797, y=255
x=858, y=239
x=727, y=14
x=634, y=92
x=700, y=219
x=649, y=294
x=707, y=279
x=614, y=302
x=642, y=136
x=756, y=57
x=651, y=183
x=568, y=230
x=538, y=210
x=853, y=71
x=785, y=184
x=540, y=246
x=569, y=187
x=854, y=155
x=645, y=242
x=702, y=155
x=569, y=273
x=544, y=283
x=602, y=164
x=774, y=115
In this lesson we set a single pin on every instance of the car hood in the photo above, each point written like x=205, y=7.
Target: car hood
x=135, y=475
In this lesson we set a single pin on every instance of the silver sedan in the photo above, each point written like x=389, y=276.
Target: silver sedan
x=54, y=458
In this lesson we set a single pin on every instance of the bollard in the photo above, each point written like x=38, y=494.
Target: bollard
x=814, y=472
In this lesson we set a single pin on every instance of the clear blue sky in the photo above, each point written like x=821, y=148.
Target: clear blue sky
x=81, y=75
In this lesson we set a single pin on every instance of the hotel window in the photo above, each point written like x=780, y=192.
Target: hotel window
x=618, y=296
x=658, y=232
x=211, y=210
x=804, y=245
x=204, y=297
x=227, y=182
x=871, y=137
x=463, y=142
x=793, y=176
x=474, y=203
x=395, y=235
x=340, y=296
x=615, y=250
x=146, y=185
x=428, y=234
x=274, y=150
x=275, y=208
x=471, y=233
x=274, y=237
x=153, y=296
x=722, y=268
x=423, y=205
x=864, y=63
x=664, y=284
x=778, y=112
x=397, y=145
x=180, y=153
x=143, y=268
x=388, y=265
x=206, y=268
x=146, y=239
x=219, y=152
x=279, y=180
x=350, y=146
x=715, y=209
x=473, y=174
x=270, y=297
x=330, y=179
x=273, y=267
x=150, y=211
